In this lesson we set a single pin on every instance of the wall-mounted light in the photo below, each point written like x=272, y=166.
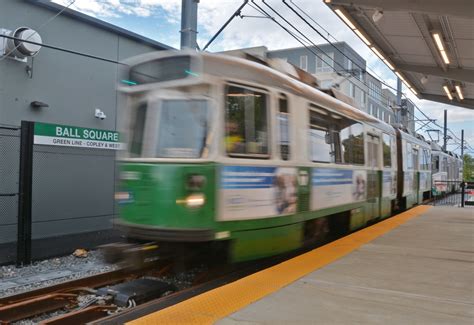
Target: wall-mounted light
x=448, y=92
x=440, y=44
x=459, y=91
x=38, y=104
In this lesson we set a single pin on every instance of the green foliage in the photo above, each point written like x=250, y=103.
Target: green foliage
x=468, y=168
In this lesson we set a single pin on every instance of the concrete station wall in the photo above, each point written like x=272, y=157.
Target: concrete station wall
x=73, y=187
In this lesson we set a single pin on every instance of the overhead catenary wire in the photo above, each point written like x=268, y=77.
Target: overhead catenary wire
x=355, y=63
x=379, y=101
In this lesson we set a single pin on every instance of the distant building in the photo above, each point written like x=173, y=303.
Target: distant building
x=73, y=188
x=391, y=103
x=335, y=65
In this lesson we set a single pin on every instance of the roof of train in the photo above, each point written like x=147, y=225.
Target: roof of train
x=257, y=72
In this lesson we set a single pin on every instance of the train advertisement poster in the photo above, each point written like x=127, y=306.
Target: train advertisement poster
x=332, y=187
x=389, y=187
x=251, y=192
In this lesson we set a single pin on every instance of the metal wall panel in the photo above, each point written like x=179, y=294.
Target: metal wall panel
x=72, y=183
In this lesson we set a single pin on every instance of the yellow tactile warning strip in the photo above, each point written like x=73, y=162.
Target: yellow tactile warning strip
x=213, y=305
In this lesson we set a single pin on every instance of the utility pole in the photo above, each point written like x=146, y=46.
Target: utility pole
x=399, y=100
x=189, y=10
x=445, y=137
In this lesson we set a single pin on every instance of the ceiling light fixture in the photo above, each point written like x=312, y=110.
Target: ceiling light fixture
x=389, y=65
x=362, y=37
x=440, y=44
x=448, y=92
x=343, y=17
x=459, y=91
x=400, y=76
x=378, y=53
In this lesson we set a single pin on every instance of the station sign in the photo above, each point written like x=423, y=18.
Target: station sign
x=72, y=136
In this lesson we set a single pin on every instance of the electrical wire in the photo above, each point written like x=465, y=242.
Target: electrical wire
x=331, y=65
x=355, y=63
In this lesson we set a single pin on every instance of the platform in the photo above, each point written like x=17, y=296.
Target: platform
x=416, y=267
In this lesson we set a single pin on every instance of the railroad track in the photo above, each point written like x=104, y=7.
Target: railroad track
x=65, y=296
x=108, y=305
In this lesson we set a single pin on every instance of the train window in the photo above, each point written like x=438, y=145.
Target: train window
x=182, y=128
x=324, y=137
x=409, y=155
x=387, y=150
x=425, y=163
x=163, y=69
x=283, y=119
x=246, y=123
x=373, y=143
x=445, y=164
x=435, y=164
x=138, y=130
x=415, y=159
x=352, y=140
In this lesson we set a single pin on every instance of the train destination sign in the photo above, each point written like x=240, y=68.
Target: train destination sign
x=72, y=136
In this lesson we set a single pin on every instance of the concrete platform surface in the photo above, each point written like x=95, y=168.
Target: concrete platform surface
x=421, y=272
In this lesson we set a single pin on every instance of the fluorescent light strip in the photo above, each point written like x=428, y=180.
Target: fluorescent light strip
x=448, y=92
x=444, y=56
x=378, y=53
x=362, y=37
x=413, y=91
x=459, y=91
x=438, y=41
x=389, y=64
x=343, y=17
x=400, y=76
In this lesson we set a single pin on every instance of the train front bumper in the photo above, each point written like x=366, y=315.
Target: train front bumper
x=154, y=233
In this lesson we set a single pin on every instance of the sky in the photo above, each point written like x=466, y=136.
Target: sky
x=160, y=20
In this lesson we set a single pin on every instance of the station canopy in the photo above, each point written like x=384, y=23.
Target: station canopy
x=428, y=44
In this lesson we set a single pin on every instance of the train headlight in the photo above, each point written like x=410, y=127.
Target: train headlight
x=195, y=200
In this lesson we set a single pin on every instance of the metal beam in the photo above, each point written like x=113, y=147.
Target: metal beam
x=460, y=8
x=452, y=73
x=466, y=103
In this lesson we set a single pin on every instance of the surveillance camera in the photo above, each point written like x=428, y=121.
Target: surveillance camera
x=378, y=14
x=99, y=114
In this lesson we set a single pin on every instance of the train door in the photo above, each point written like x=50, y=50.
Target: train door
x=416, y=170
x=373, y=176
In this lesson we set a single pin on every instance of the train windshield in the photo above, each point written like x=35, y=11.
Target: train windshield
x=164, y=69
x=182, y=129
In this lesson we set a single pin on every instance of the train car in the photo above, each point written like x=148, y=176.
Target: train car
x=253, y=160
x=446, y=171
x=414, y=169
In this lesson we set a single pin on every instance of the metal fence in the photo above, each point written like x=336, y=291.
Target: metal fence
x=9, y=191
x=449, y=193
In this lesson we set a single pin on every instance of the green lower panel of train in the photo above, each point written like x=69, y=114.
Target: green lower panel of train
x=256, y=211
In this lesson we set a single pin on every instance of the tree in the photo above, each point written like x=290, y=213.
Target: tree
x=468, y=174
